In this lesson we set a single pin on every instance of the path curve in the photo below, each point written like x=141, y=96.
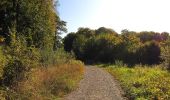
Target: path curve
x=96, y=85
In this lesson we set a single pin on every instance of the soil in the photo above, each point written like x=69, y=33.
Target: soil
x=97, y=84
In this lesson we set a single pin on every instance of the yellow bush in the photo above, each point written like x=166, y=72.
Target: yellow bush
x=51, y=82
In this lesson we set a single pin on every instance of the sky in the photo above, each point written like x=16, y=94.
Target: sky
x=134, y=15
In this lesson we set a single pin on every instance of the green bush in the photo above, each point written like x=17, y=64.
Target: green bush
x=165, y=54
x=20, y=60
x=3, y=61
x=13, y=72
x=103, y=48
x=52, y=58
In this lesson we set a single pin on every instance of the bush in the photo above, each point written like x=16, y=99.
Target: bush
x=165, y=54
x=3, y=61
x=149, y=53
x=20, y=60
x=49, y=83
x=25, y=77
x=52, y=58
x=13, y=72
x=102, y=48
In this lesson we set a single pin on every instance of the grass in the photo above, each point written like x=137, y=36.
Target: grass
x=49, y=83
x=142, y=82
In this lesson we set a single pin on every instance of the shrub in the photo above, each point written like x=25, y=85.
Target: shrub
x=149, y=53
x=165, y=54
x=3, y=61
x=51, y=82
x=20, y=60
x=52, y=58
x=13, y=72
x=102, y=48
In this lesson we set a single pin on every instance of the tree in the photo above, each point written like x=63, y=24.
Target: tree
x=8, y=17
x=103, y=30
x=102, y=48
x=60, y=29
x=68, y=42
x=131, y=44
x=78, y=46
x=34, y=19
x=29, y=29
x=87, y=32
x=165, y=36
x=149, y=53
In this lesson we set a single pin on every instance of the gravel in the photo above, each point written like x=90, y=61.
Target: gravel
x=97, y=84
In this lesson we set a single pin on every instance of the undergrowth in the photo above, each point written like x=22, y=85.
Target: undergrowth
x=47, y=83
x=143, y=82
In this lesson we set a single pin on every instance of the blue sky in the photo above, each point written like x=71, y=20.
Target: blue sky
x=135, y=15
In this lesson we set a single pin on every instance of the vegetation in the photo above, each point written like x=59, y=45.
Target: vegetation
x=143, y=82
x=33, y=64
x=140, y=59
x=47, y=83
x=166, y=54
x=106, y=46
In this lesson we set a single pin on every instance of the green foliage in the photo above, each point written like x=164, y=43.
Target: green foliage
x=165, y=54
x=20, y=60
x=34, y=19
x=150, y=36
x=52, y=58
x=106, y=46
x=13, y=72
x=60, y=28
x=29, y=30
x=103, y=30
x=102, y=48
x=131, y=44
x=86, y=32
x=68, y=42
x=30, y=33
x=149, y=53
x=3, y=61
x=78, y=46
x=142, y=82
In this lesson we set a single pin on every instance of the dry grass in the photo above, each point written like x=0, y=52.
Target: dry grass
x=52, y=82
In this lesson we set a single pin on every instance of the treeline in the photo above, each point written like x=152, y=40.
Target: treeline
x=104, y=45
x=32, y=60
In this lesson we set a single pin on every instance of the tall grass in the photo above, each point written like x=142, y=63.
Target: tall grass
x=48, y=83
x=29, y=73
x=143, y=83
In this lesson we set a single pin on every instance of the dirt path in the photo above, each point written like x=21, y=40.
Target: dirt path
x=96, y=85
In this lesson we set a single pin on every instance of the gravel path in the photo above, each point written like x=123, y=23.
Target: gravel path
x=96, y=85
